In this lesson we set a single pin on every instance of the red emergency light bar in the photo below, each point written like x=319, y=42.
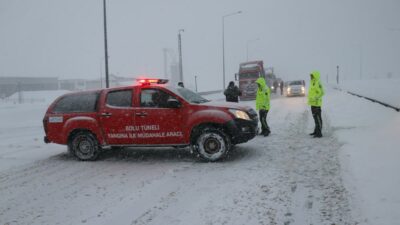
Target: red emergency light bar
x=152, y=81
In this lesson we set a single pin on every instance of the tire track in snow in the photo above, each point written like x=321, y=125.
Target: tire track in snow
x=317, y=194
x=57, y=185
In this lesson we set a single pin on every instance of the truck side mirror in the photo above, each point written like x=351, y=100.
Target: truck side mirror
x=173, y=103
x=236, y=76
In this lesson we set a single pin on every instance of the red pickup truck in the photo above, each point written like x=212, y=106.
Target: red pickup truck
x=150, y=114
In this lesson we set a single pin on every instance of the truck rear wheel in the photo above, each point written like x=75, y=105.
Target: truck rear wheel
x=212, y=144
x=84, y=146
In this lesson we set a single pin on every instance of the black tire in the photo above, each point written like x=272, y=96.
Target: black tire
x=84, y=146
x=212, y=144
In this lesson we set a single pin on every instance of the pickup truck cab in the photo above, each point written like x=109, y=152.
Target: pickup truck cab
x=150, y=114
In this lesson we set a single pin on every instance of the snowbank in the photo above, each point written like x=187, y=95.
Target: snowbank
x=370, y=152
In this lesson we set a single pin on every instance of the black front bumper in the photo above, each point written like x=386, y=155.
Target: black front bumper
x=46, y=139
x=242, y=130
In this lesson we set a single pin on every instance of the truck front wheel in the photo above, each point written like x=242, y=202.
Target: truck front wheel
x=84, y=146
x=212, y=144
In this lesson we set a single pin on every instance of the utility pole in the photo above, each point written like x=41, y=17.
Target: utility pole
x=165, y=63
x=361, y=62
x=19, y=88
x=101, y=73
x=247, y=47
x=195, y=82
x=337, y=74
x=180, y=54
x=105, y=43
x=223, y=46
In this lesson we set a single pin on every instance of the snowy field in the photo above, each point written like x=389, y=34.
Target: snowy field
x=350, y=176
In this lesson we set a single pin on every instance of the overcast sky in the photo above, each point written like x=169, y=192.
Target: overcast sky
x=64, y=38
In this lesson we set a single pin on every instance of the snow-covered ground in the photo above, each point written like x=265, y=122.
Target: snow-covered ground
x=370, y=153
x=347, y=177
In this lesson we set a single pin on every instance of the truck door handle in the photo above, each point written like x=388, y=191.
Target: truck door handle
x=141, y=114
x=106, y=114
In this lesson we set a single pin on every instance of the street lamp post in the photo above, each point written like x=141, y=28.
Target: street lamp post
x=223, y=46
x=105, y=43
x=337, y=74
x=361, y=61
x=247, y=47
x=180, y=54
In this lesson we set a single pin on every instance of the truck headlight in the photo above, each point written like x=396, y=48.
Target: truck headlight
x=288, y=89
x=239, y=114
x=303, y=89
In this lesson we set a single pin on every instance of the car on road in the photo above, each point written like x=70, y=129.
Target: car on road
x=148, y=114
x=295, y=88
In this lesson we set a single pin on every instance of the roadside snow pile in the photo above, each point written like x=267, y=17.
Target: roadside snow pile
x=378, y=89
x=370, y=153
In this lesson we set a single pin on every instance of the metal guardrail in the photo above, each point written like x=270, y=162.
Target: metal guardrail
x=370, y=99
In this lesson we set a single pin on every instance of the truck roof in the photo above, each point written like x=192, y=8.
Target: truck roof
x=252, y=65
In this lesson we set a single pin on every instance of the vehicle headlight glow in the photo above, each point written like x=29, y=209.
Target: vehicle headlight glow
x=239, y=114
x=288, y=89
x=303, y=89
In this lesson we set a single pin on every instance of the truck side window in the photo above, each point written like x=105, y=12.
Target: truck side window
x=85, y=102
x=120, y=98
x=154, y=98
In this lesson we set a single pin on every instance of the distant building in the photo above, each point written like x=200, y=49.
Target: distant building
x=72, y=84
x=11, y=85
x=84, y=84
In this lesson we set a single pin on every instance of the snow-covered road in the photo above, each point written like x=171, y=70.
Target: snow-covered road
x=286, y=178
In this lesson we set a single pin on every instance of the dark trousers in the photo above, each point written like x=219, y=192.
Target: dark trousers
x=316, y=113
x=263, y=119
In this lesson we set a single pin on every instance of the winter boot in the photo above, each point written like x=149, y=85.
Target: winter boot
x=317, y=134
x=314, y=132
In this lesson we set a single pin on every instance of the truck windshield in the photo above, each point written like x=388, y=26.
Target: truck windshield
x=248, y=75
x=189, y=95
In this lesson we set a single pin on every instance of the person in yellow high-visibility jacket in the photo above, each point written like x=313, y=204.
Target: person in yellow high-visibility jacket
x=315, y=93
x=263, y=104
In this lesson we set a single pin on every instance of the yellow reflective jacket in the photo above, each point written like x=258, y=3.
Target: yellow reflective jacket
x=263, y=95
x=315, y=91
